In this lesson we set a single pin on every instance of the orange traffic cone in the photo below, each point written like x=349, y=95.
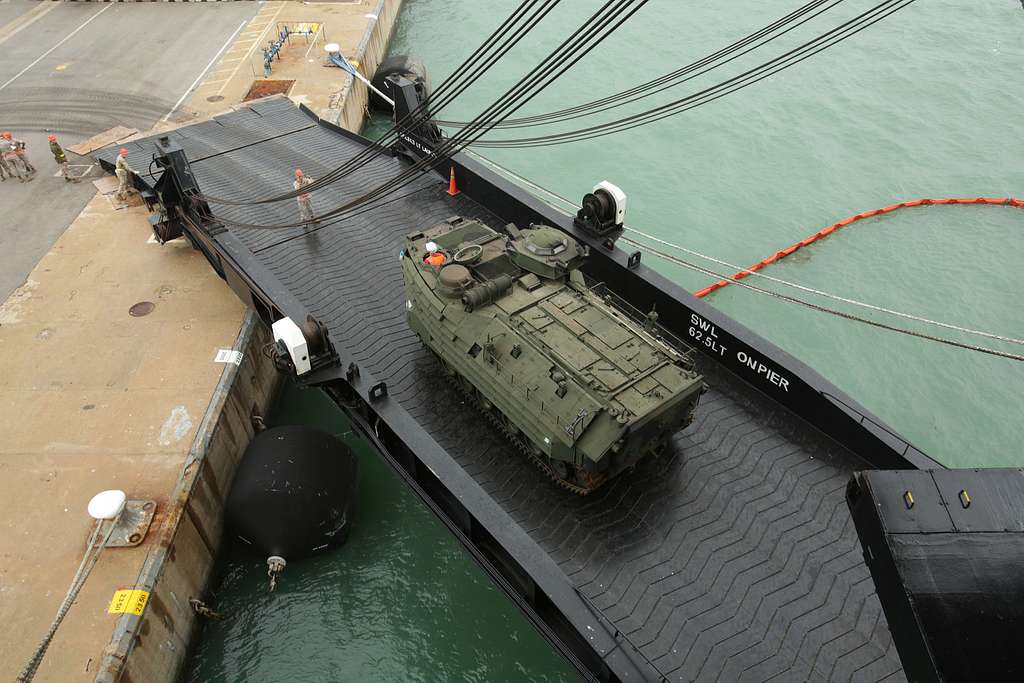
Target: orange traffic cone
x=452, y=189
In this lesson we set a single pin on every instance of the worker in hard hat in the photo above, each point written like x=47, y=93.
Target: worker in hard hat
x=15, y=162
x=19, y=149
x=121, y=170
x=5, y=168
x=434, y=256
x=59, y=157
x=304, y=200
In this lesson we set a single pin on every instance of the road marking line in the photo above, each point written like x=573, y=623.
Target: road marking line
x=316, y=37
x=25, y=20
x=202, y=73
x=249, y=52
x=63, y=40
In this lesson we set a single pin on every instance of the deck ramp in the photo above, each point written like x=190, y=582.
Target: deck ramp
x=732, y=557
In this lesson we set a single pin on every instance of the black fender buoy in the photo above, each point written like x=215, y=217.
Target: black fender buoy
x=292, y=494
x=410, y=67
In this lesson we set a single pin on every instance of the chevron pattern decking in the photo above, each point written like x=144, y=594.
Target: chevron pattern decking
x=731, y=557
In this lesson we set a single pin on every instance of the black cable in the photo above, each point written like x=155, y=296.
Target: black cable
x=570, y=51
x=421, y=114
x=780, y=63
x=361, y=210
x=673, y=78
x=857, y=23
x=824, y=309
x=464, y=75
x=478, y=127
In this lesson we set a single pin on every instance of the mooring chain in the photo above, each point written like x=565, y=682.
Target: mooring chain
x=203, y=610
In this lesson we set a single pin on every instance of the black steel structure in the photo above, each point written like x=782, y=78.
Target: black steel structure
x=946, y=551
x=731, y=557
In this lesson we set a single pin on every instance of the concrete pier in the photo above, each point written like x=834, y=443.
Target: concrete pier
x=95, y=396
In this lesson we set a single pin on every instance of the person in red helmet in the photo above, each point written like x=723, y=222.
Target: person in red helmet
x=13, y=151
x=304, y=200
x=122, y=171
x=5, y=170
x=59, y=157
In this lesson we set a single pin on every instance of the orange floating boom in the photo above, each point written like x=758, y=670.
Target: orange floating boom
x=824, y=232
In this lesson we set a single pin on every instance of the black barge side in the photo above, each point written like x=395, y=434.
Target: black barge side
x=731, y=557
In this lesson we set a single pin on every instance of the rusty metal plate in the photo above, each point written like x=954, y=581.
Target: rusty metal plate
x=131, y=527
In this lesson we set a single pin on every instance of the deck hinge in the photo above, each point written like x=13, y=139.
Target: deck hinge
x=634, y=260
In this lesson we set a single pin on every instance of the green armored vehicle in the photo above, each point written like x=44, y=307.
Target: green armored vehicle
x=577, y=380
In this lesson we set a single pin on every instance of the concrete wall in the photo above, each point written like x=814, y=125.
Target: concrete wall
x=152, y=647
x=370, y=53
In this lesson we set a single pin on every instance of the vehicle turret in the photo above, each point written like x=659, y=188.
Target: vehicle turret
x=545, y=251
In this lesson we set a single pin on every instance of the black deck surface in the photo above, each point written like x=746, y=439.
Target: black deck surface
x=732, y=557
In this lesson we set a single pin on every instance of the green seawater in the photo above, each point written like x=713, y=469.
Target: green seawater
x=400, y=601
x=923, y=104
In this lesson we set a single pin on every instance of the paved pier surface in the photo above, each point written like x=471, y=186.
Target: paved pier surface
x=90, y=396
x=76, y=69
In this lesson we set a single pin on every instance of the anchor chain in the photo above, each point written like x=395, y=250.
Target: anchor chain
x=203, y=610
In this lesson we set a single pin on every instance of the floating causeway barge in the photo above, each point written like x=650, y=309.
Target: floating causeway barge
x=732, y=556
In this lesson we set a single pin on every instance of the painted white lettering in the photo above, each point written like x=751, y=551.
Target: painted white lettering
x=761, y=369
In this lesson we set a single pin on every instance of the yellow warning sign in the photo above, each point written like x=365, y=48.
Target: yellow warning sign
x=305, y=29
x=128, y=602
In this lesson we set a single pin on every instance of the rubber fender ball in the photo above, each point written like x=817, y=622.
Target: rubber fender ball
x=410, y=67
x=292, y=492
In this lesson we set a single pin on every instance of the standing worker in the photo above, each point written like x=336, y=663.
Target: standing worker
x=19, y=148
x=14, y=162
x=121, y=170
x=59, y=157
x=305, y=203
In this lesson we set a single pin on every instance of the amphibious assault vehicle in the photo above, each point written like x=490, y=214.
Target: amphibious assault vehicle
x=582, y=383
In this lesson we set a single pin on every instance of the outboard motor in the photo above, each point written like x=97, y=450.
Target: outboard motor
x=292, y=494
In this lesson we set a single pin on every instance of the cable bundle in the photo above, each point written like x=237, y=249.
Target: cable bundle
x=585, y=38
x=808, y=49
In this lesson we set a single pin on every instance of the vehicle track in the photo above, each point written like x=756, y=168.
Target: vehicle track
x=80, y=111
